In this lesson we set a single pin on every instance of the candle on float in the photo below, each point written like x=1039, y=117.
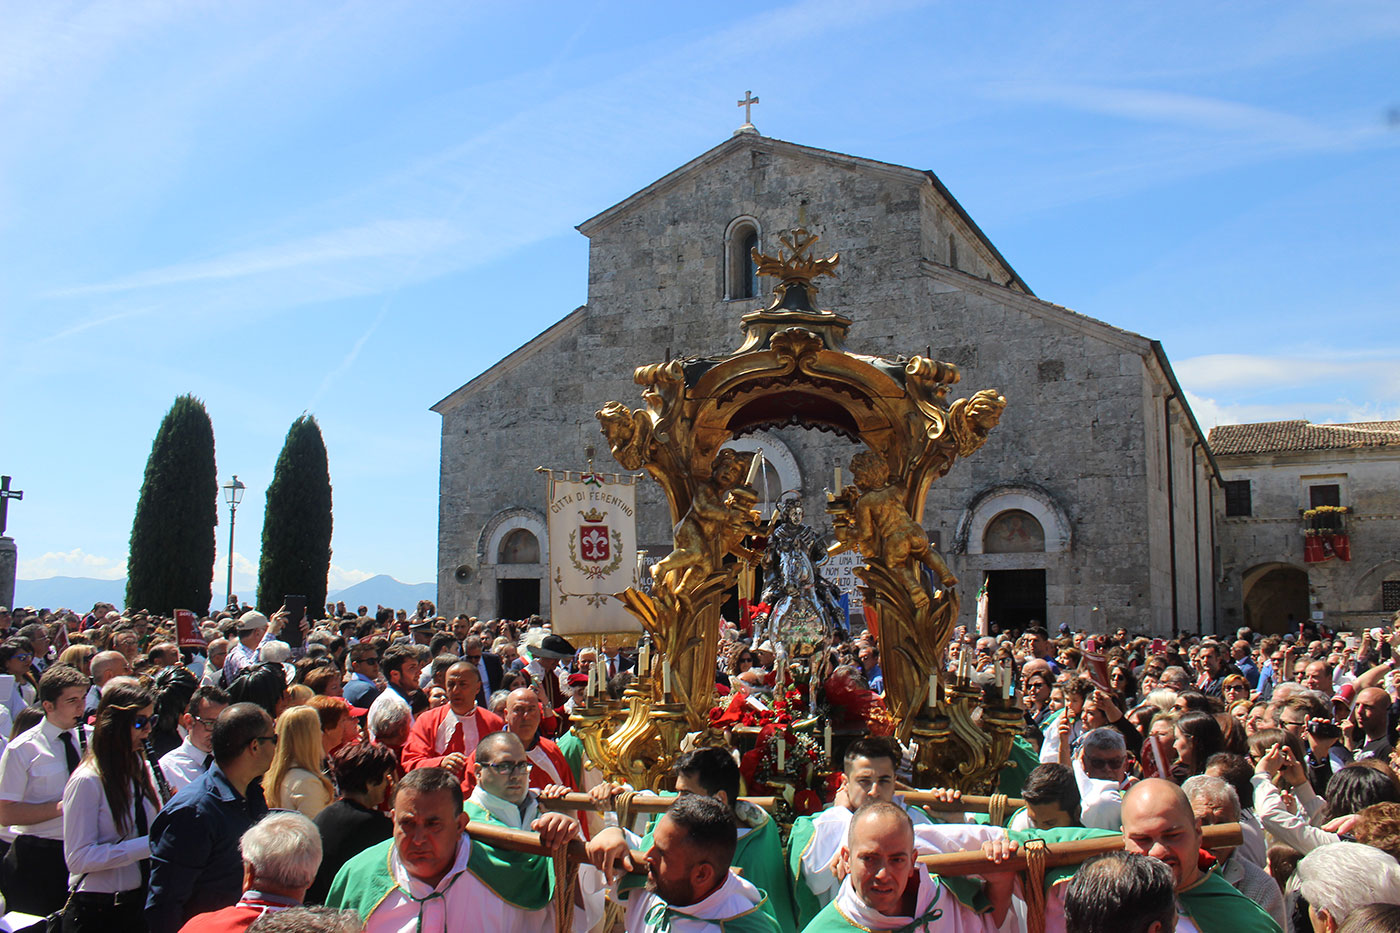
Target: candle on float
x=933, y=690
x=1006, y=683
x=592, y=690
x=665, y=677
x=826, y=740
x=839, y=479
x=782, y=754
x=643, y=659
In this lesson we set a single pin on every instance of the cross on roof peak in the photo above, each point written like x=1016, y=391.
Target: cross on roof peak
x=747, y=103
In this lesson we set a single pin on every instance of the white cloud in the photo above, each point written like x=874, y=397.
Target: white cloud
x=380, y=239
x=341, y=577
x=74, y=563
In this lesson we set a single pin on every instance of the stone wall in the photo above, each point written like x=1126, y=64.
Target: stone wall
x=915, y=276
x=1347, y=592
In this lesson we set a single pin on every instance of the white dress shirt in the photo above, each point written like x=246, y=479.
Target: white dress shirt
x=182, y=764
x=471, y=732
x=34, y=769
x=107, y=859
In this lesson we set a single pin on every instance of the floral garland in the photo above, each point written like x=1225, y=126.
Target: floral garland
x=803, y=759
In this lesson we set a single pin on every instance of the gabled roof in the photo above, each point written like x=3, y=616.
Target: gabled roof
x=1282, y=436
x=525, y=351
x=782, y=147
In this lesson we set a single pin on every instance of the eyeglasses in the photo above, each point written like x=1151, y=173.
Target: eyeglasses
x=206, y=723
x=1105, y=763
x=21, y=656
x=1293, y=724
x=745, y=658
x=509, y=768
x=374, y=661
x=266, y=738
x=474, y=658
x=142, y=722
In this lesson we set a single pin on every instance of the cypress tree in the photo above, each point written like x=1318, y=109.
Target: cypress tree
x=296, y=538
x=171, y=560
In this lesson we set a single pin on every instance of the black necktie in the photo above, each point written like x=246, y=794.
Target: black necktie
x=208, y=760
x=69, y=751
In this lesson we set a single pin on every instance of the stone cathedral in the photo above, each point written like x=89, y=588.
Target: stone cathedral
x=1091, y=503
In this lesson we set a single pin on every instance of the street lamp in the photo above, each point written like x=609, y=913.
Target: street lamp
x=233, y=494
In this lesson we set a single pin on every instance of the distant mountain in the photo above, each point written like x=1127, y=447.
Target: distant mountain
x=384, y=590
x=69, y=592
x=81, y=592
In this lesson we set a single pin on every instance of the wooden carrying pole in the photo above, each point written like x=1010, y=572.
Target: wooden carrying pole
x=641, y=803
x=1060, y=854
x=968, y=803
x=566, y=861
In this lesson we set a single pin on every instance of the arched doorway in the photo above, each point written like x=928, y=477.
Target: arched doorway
x=1015, y=598
x=1275, y=598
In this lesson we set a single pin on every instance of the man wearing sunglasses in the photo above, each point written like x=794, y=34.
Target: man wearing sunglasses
x=361, y=689
x=195, y=863
x=192, y=757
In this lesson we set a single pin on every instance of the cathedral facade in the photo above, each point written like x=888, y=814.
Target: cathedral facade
x=1090, y=504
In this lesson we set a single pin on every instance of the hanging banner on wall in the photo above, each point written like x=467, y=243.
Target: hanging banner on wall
x=592, y=551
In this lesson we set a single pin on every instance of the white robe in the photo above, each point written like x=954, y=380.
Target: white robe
x=829, y=829
x=736, y=896
x=466, y=904
x=955, y=917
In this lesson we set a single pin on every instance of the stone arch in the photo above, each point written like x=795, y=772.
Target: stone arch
x=1366, y=595
x=498, y=526
x=1275, y=594
x=519, y=546
x=740, y=278
x=1025, y=497
x=778, y=455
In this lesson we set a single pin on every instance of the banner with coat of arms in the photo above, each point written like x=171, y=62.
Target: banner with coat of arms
x=592, y=551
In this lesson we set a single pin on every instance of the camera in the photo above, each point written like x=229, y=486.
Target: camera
x=1325, y=730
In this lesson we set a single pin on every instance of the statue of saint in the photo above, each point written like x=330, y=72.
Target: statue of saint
x=804, y=606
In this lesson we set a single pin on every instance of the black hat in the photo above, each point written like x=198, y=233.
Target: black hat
x=554, y=646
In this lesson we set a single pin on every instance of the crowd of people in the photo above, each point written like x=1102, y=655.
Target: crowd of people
x=322, y=775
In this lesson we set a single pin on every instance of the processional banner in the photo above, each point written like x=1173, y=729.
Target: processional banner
x=592, y=551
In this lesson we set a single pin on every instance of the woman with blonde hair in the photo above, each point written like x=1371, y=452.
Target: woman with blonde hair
x=295, y=780
x=79, y=656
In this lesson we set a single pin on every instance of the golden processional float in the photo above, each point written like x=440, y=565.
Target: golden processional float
x=794, y=369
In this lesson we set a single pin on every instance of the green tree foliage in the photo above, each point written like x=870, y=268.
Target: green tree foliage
x=296, y=538
x=171, y=562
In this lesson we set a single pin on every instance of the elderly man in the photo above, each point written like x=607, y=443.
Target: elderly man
x=689, y=886
x=280, y=856
x=432, y=876
x=216, y=653
x=886, y=887
x=522, y=717
x=1121, y=893
x=1214, y=801
x=1100, y=767
x=815, y=842
x=252, y=629
x=195, y=865
x=1336, y=879
x=444, y=736
x=1158, y=822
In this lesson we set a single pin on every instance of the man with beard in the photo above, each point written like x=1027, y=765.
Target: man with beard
x=887, y=889
x=689, y=887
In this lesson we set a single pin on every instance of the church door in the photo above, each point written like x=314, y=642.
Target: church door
x=517, y=599
x=1015, y=597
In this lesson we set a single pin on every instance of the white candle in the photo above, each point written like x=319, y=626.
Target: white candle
x=665, y=677
x=826, y=740
x=782, y=754
x=643, y=660
x=1006, y=682
x=839, y=477
x=933, y=690
x=592, y=690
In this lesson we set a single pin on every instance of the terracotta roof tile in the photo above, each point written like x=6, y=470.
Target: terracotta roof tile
x=1279, y=436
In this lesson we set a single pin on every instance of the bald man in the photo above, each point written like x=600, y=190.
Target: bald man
x=1368, y=727
x=548, y=765
x=444, y=736
x=1158, y=822
x=886, y=888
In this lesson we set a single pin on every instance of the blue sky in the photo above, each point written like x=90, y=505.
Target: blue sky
x=353, y=208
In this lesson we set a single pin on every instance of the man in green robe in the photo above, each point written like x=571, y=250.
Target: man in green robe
x=885, y=887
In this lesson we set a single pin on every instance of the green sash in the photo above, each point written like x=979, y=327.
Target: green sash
x=524, y=881
x=529, y=879
x=965, y=891
x=1216, y=906
x=571, y=747
x=1019, y=764
x=660, y=916
x=804, y=902
x=1054, y=876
